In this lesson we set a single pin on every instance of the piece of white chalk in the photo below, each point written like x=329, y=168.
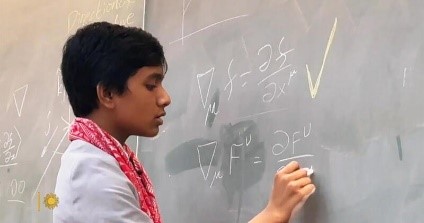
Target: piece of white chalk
x=309, y=171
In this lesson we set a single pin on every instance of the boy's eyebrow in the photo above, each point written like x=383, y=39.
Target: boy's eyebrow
x=156, y=76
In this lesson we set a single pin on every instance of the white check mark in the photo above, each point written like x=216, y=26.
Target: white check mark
x=314, y=89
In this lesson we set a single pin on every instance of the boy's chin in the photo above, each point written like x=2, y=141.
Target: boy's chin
x=152, y=133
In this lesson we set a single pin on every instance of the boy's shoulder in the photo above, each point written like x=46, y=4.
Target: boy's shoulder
x=84, y=161
x=91, y=182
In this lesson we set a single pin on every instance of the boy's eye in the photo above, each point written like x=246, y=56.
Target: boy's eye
x=150, y=87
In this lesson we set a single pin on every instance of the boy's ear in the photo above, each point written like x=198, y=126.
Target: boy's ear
x=105, y=97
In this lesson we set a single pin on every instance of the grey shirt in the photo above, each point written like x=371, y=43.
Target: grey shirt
x=92, y=188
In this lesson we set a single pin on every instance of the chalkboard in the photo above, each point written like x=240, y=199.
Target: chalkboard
x=334, y=84
x=34, y=112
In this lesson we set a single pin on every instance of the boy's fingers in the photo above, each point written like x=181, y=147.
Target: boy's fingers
x=292, y=166
x=308, y=190
x=297, y=174
x=302, y=182
x=298, y=185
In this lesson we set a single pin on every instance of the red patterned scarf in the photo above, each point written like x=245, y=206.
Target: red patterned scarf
x=87, y=130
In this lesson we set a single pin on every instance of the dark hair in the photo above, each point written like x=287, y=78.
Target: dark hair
x=106, y=54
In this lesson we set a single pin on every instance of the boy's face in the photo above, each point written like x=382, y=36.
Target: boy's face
x=140, y=108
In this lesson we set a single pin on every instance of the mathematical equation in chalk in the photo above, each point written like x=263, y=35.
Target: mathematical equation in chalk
x=239, y=151
x=272, y=83
x=10, y=144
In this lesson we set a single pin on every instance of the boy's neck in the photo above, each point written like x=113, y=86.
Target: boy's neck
x=105, y=122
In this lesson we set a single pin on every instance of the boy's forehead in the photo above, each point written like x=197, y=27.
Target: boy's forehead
x=152, y=72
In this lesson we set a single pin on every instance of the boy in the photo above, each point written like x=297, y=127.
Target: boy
x=113, y=76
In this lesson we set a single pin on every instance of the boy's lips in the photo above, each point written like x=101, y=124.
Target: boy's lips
x=159, y=119
x=161, y=115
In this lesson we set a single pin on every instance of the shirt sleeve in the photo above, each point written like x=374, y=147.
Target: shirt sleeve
x=98, y=191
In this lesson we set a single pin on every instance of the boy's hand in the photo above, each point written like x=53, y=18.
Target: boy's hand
x=291, y=187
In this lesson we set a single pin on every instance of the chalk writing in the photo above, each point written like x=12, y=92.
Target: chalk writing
x=295, y=157
x=48, y=164
x=77, y=18
x=209, y=146
x=261, y=113
x=206, y=27
x=216, y=175
x=66, y=123
x=48, y=143
x=10, y=147
x=230, y=82
x=205, y=78
x=238, y=150
x=283, y=65
x=16, y=188
x=314, y=88
x=231, y=78
x=185, y=7
x=126, y=20
x=232, y=154
x=274, y=89
x=280, y=148
x=60, y=86
x=204, y=81
x=288, y=139
x=265, y=65
x=19, y=97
